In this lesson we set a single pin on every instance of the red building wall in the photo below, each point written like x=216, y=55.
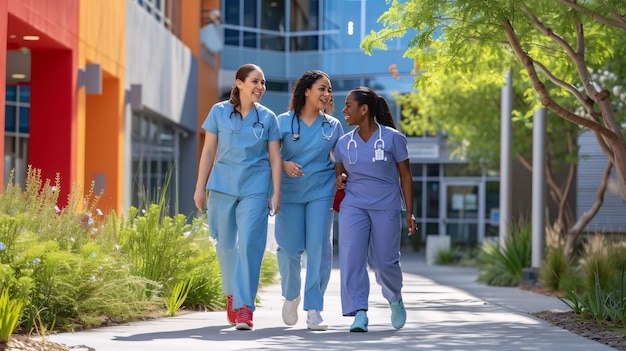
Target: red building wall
x=54, y=73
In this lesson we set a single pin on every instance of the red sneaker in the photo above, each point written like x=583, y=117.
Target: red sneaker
x=244, y=318
x=231, y=314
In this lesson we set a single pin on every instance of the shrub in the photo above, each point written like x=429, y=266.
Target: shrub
x=502, y=266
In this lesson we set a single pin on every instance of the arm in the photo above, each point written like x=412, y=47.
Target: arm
x=276, y=166
x=204, y=169
x=406, y=182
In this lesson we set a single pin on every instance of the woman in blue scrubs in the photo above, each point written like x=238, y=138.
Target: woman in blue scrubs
x=308, y=137
x=372, y=165
x=241, y=160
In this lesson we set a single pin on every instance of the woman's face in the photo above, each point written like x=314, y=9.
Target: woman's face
x=354, y=114
x=252, y=88
x=320, y=94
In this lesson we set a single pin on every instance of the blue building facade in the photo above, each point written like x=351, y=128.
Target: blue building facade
x=288, y=37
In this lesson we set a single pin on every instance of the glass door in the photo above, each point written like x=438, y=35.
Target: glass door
x=462, y=212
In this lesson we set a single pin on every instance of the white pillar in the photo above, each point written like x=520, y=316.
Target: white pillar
x=538, y=201
x=505, y=159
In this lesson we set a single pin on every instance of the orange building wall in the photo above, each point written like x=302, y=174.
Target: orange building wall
x=101, y=117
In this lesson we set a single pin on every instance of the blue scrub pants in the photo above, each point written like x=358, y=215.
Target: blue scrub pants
x=305, y=227
x=368, y=237
x=239, y=224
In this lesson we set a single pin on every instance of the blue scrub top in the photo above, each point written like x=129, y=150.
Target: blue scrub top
x=312, y=152
x=242, y=165
x=373, y=185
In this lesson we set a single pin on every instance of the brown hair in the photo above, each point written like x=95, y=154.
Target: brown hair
x=242, y=73
x=306, y=80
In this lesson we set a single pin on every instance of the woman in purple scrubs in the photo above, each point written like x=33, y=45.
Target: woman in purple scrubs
x=372, y=166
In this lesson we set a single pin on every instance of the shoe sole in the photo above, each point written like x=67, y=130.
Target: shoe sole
x=318, y=327
x=243, y=326
x=358, y=330
x=291, y=319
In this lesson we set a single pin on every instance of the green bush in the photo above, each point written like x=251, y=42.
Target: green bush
x=502, y=266
x=74, y=268
x=553, y=267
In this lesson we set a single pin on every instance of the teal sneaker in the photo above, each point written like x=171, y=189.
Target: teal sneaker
x=360, y=322
x=398, y=314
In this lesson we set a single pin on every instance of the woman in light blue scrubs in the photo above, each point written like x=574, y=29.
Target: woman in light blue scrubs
x=308, y=137
x=241, y=160
x=372, y=165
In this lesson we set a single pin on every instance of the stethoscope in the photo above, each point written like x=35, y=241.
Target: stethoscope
x=296, y=136
x=255, y=125
x=379, y=147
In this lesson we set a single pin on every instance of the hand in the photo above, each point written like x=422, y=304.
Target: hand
x=273, y=205
x=199, y=199
x=340, y=182
x=292, y=169
x=411, y=224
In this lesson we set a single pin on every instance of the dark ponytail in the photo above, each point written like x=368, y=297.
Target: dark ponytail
x=377, y=105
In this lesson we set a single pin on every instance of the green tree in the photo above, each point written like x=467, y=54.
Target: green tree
x=552, y=46
x=557, y=42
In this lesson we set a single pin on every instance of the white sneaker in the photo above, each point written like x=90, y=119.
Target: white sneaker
x=290, y=311
x=314, y=320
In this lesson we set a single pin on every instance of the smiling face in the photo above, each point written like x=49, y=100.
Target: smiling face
x=319, y=94
x=354, y=114
x=252, y=88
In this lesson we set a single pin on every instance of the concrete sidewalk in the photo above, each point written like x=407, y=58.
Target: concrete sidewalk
x=446, y=311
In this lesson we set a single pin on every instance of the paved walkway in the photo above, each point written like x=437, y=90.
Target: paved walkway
x=446, y=311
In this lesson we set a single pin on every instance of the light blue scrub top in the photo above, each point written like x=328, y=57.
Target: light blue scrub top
x=242, y=165
x=312, y=152
x=373, y=185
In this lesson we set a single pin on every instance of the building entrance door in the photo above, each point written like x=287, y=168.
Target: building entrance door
x=461, y=215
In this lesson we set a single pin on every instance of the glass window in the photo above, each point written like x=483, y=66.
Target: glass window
x=249, y=13
x=492, y=197
x=231, y=12
x=272, y=42
x=11, y=93
x=153, y=160
x=231, y=37
x=24, y=93
x=24, y=126
x=304, y=15
x=432, y=229
x=9, y=119
x=330, y=41
x=273, y=15
x=417, y=169
x=432, y=169
x=345, y=84
x=417, y=200
x=249, y=39
x=432, y=200
x=277, y=86
x=304, y=43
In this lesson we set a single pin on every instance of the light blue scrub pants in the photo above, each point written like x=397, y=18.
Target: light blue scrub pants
x=305, y=227
x=239, y=224
x=368, y=237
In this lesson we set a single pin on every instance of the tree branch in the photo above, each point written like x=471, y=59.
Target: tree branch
x=546, y=99
x=619, y=23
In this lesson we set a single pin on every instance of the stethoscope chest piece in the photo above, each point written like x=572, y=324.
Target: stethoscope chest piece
x=379, y=147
